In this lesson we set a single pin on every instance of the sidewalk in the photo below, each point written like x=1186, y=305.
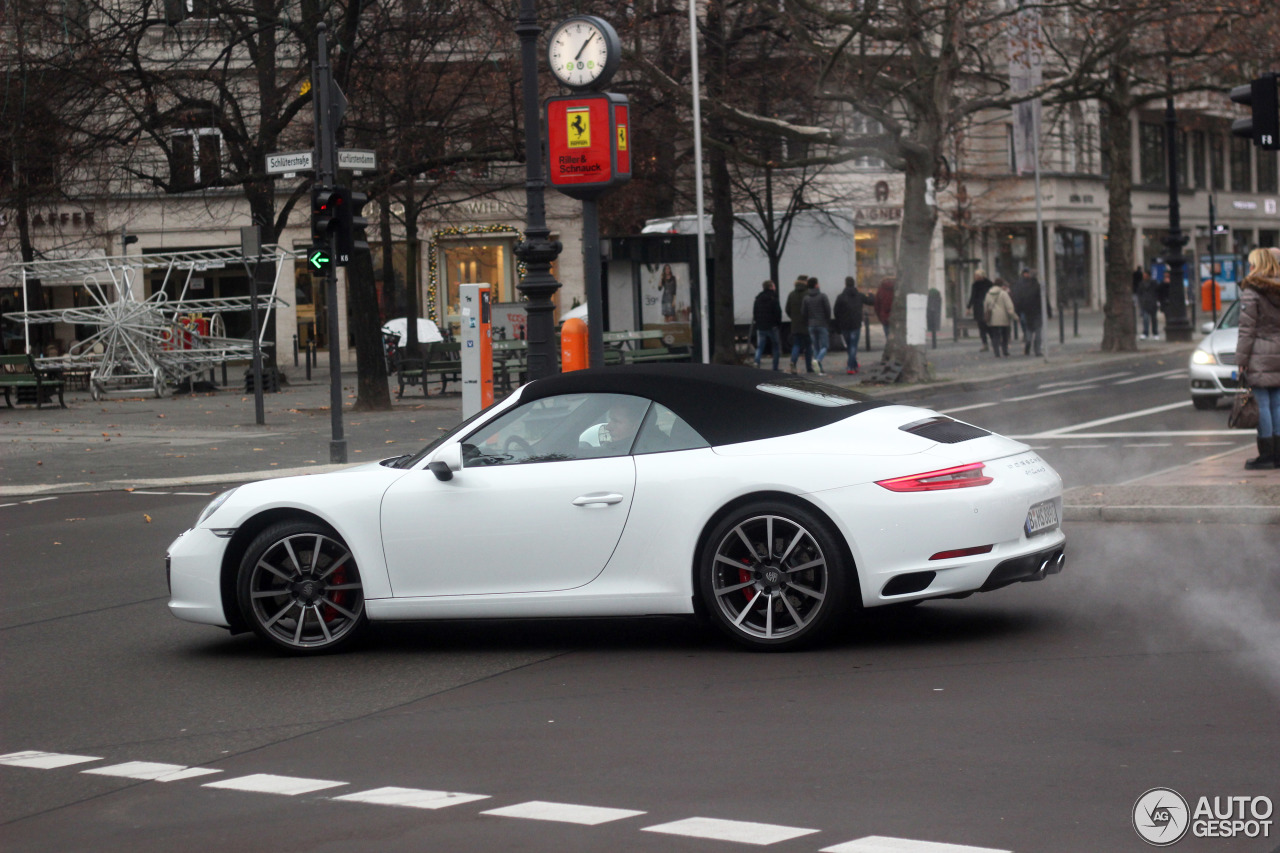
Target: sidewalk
x=136, y=441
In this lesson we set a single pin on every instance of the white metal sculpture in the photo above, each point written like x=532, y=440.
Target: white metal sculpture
x=147, y=343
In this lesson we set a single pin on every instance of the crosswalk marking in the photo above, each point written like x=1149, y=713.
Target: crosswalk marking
x=44, y=760
x=414, y=798
x=744, y=832
x=151, y=771
x=266, y=783
x=1177, y=373
x=881, y=844
x=1154, y=410
x=563, y=813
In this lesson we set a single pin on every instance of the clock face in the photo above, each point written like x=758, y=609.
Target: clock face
x=580, y=52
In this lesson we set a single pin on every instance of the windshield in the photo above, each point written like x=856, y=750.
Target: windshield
x=410, y=461
x=1231, y=319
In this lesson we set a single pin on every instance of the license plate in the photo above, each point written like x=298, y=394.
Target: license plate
x=1041, y=518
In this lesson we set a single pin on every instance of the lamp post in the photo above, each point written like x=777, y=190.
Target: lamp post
x=1176, y=325
x=537, y=250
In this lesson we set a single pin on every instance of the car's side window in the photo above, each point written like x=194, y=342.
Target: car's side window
x=663, y=430
x=556, y=429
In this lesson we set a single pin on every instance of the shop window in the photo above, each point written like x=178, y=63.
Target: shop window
x=1015, y=251
x=1217, y=162
x=471, y=260
x=1151, y=157
x=875, y=250
x=1241, y=165
x=195, y=157
x=1268, y=176
x=865, y=126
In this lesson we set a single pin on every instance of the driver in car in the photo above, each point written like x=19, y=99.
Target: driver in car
x=620, y=428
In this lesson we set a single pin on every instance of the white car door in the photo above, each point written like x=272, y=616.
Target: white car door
x=507, y=523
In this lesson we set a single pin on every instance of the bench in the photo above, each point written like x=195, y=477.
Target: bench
x=442, y=362
x=652, y=354
x=20, y=372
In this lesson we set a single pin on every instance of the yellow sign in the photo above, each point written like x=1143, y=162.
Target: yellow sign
x=579, y=126
x=306, y=87
x=622, y=137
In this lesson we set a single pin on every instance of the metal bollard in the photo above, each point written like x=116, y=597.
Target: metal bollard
x=310, y=346
x=1075, y=318
x=295, y=350
x=1062, y=325
x=224, y=373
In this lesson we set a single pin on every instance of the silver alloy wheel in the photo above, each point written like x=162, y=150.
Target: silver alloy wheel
x=770, y=577
x=304, y=592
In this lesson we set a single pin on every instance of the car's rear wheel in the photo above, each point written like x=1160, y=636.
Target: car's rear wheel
x=299, y=588
x=773, y=576
x=1203, y=403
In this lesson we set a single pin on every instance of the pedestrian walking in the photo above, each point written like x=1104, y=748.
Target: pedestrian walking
x=1026, y=302
x=767, y=315
x=999, y=312
x=799, y=329
x=817, y=316
x=1148, y=304
x=848, y=320
x=884, y=304
x=1258, y=351
x=977, y=300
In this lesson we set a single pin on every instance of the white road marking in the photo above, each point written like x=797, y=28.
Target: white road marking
x=1209, y=443
x=194, y=494
x=744, y=832
x=414, y=798
x=266, y=783
x=44, y=760
x=967, y=408
x=881, y=844
x=39, y=500
x=1177, y=376
x=1082, y=446
x=140, y=492
x=1151, y=444
x=2, y=506
x=1154, y=410
x=1166, y=433
x=1086, y=381
x=1178, y=372
x=563, y=812
x=1049, y=393
x=151, y=771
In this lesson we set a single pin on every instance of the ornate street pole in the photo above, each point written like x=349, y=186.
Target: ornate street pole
x=1176, y=325
x=536, y=251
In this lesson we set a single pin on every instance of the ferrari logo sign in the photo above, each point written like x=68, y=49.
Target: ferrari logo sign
x=578, y=127
x=622, y=137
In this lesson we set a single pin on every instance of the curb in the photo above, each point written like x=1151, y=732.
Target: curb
x=1174, y=514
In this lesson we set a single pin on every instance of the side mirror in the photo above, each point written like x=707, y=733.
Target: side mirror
x=448, y=459
x=1206, y=327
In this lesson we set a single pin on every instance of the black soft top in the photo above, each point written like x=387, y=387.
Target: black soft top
x=725, y=404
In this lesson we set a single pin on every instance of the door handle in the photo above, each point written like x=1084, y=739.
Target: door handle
x=598, y=498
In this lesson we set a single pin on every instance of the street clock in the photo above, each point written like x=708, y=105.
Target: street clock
x=584, y=52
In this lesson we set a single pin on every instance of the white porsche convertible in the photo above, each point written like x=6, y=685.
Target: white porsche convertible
x=773, y=505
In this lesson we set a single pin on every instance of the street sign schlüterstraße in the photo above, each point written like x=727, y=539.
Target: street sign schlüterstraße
x=284, y=162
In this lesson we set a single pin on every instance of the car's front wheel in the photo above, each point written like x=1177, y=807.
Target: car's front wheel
x=772, y=576
x=299, y=588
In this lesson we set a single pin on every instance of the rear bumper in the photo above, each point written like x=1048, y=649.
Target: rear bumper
x=1028, y=567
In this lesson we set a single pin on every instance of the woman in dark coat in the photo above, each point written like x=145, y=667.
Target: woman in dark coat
x=1258, y=350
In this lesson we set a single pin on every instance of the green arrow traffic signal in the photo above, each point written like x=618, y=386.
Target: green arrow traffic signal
x=319, y=259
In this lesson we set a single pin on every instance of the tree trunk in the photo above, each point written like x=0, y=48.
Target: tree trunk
x=1119, y=328
x=722, y=259
x=372, y=391
x=914, y=253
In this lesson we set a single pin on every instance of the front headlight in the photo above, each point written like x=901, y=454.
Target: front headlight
x=214, y=504
x=1202, y=356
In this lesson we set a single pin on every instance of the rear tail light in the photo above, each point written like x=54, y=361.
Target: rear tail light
x=959, y=477
x=962, y=552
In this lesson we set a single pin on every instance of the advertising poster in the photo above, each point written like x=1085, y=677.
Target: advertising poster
x=665, y=297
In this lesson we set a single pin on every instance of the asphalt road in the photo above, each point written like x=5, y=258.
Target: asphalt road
x=1028, y=719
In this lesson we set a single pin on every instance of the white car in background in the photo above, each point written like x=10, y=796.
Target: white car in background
x=1213, y=363
x=775, y=506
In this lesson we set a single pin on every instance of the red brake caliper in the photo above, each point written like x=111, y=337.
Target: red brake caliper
x=744, y=576
x=340, y=598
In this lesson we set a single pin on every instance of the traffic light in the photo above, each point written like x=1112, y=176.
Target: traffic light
x=349, y=230
x=1264, y=127
x=322, y=214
